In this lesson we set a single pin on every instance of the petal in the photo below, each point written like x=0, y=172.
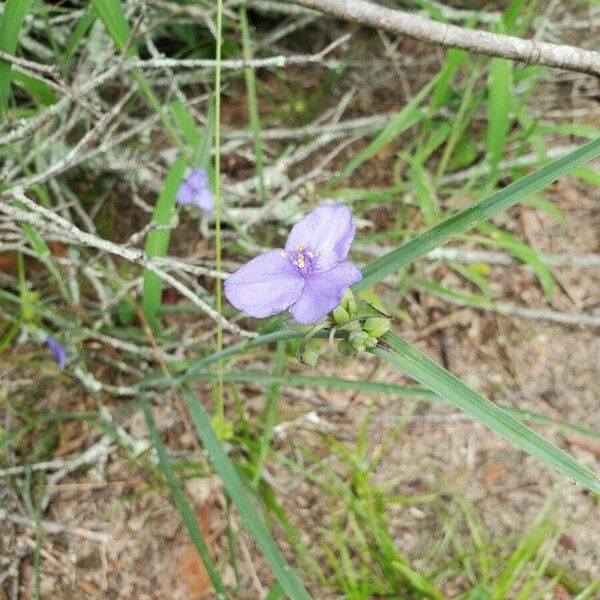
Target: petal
x=185, y=194
x=203, y=199
x=328, y=231
x=323, y=292
x=198, y=179
x=58, y=350
x=265, y=286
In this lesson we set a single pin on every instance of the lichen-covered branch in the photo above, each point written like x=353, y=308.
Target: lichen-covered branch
x=428, y=30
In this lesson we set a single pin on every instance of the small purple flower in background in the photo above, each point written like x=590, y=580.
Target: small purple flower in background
x=309, y=276
x=194, y=190
x=59, y=351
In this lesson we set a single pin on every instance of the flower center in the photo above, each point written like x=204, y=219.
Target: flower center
x=304, y=259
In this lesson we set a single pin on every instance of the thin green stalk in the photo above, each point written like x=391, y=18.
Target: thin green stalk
x=219, y=405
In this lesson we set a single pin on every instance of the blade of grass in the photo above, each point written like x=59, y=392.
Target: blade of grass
x=11, y=22
x=187, y=514
x=79, y=33
x=474, y=214
x=526, y=254
x=112, y=15
x=157, y=242
x=234, y=486
x=525, y=552
x=42, y=93
x=253, y=104
x=404, y=119
x=466, y=111
x=589, y=591
x=425, y=193
x=423, y=369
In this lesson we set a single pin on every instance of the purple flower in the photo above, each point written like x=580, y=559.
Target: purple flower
x=194, y=190
x=59, y=351
x=308, y=277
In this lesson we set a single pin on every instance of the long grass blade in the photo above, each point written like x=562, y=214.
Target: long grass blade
x=427, y=372
x=187, y=514
x=235, y=488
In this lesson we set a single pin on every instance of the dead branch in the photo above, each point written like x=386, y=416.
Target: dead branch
x=427, y=30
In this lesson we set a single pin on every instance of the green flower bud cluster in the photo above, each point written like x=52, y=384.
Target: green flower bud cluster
x=355, y=325
x=360, y=324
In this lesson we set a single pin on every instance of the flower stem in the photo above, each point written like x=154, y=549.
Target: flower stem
x=219, y=408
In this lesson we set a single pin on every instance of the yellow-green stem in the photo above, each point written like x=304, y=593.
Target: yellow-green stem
x=219, y=409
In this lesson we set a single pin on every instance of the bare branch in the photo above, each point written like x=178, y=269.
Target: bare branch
x=427, y=30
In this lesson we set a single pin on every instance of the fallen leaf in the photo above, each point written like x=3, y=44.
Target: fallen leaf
x=191, y=568
x=493, y=475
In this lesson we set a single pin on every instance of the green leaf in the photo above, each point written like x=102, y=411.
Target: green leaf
x=423, y=369
x=418, y=582
x=11, y=22
x=425, y=193
x=234, y=486
x=474, y=214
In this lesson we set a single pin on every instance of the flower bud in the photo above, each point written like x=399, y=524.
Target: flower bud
x=346, y=348
x=359, y=339
x=309, y=357
x=376, y=326
x=349, y=302
x=340, y=315
x=370, y=342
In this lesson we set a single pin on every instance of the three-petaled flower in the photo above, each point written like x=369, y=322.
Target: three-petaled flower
x=58, y=350
x=194, y=190
x=308, y=277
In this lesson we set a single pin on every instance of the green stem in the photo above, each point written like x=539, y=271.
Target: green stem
x=219, y=403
